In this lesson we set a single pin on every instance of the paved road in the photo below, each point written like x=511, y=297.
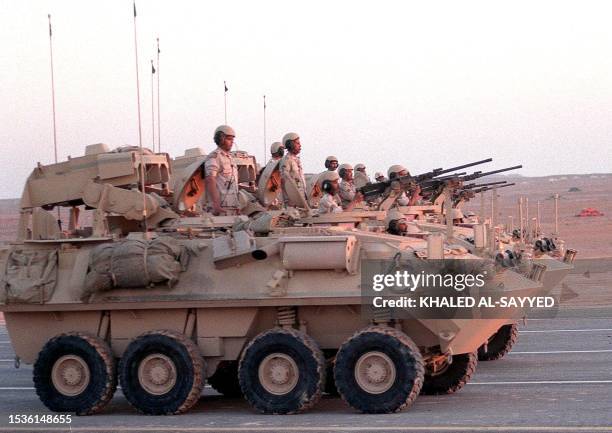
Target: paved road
x=558, y=378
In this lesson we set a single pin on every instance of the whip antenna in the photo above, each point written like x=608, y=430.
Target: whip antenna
x=142, y=169
x=158, y=109
x=59, y=219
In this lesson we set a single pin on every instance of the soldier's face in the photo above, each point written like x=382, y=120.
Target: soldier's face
x=380, y=178
x=333, y=165
x=402, y=173
x=348, y=175
x=227, y=142
x=296, y=146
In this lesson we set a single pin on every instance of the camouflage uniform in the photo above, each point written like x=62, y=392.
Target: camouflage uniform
x=291, y=169
x=220, y=165
x=347, y=192
x=329, y=204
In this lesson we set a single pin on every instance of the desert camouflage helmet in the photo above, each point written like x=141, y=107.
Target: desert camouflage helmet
x=345, y=167
x=328, y=175
x=393, y=215
x=395, y=169
x=360, y=167
x=289, y=136
x=275, y=147
x=226, y=129
x=331, y=158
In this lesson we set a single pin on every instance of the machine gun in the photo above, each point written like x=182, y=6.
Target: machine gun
x=457, y=182
x=374, y=190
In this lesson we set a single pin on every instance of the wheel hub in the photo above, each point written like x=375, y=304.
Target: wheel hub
x=278, y=373
x=375, y=372
x=70, y=375
x=157, y=374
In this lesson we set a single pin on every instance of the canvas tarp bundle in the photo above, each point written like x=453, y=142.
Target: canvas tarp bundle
x=29, y=277
x=136, y=264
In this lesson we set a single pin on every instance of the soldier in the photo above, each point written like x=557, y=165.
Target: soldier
x=331, y=163
x=221, y=175
x=277, y=150
x=290, y=167
x=379, y=177
x=396, y=223
x=396, y=171
x=330, y=202
x=361, y=177
x=347, y=186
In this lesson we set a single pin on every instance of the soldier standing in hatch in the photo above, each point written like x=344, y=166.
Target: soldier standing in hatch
x=331, y=163
x=396, y=171
x=290, y=167
x=221, y=175
x=360, y=176
x=277, y=150
x=330, y=202
x=347, y=187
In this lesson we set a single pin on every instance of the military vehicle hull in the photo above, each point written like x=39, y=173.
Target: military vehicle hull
x=292, y=296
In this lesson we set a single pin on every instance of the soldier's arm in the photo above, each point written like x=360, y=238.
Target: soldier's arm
x=358, y=199
x=211, y=169
x=415, y=196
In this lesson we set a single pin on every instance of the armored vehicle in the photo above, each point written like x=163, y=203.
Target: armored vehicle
x=450, y=192
x=181, y=299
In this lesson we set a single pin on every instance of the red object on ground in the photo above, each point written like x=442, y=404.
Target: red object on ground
x=589, y=212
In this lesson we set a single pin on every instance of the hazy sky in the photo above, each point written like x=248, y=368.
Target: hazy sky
x=425, y=84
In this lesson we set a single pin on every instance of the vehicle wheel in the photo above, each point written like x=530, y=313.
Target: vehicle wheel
x=161, y=373
x=75, y=372
x=225, y=379
x=499, y=343
x=282, y=371
x=452, y=377
x=379, y=370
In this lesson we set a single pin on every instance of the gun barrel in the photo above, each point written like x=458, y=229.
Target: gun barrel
x=460, y=167
x=478, y=174
x=479, y=185
x=487, y=188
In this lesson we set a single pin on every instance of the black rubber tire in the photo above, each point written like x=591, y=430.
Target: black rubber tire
x=100, y=361
x=499, y=344
x=451, y=380
x=310, y=362
x=408, y=365
x=225, y=379
x=189, y=366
